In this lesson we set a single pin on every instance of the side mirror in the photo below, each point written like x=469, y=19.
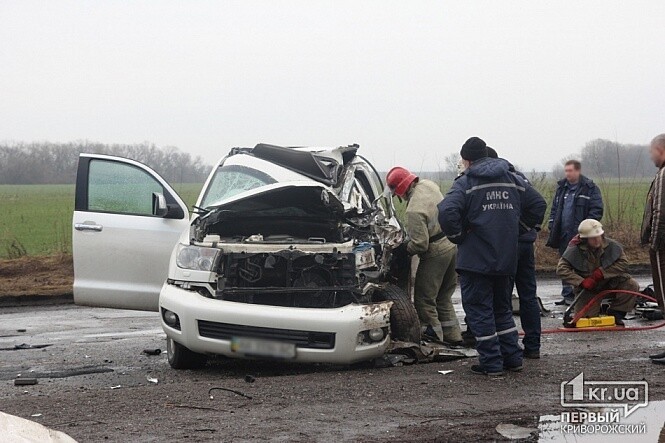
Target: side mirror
x=159, y=207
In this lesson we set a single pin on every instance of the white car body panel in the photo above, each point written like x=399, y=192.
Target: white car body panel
x=345, y=322
x=125, y=264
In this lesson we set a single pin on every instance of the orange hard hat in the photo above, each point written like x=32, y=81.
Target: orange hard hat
x=399, y=180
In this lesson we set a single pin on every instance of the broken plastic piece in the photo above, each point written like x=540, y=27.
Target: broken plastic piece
x=116, y=387
x=36, y=415
x=156, y=351
x=152, y=380
x=25, y=381
x=392, y=360
x=446, y=372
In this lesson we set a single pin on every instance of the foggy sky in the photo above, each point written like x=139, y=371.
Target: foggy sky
x=409, y=81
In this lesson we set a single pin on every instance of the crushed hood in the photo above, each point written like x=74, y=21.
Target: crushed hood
x=298, y=209
x=322, y=166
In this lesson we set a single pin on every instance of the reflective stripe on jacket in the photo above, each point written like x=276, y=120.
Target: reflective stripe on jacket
x=482, y=212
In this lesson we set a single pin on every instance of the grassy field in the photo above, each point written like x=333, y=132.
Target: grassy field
x=37, y=219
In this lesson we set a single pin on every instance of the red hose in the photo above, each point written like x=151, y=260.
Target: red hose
x=597, y=297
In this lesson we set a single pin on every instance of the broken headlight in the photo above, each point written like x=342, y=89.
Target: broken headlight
x=196, y=258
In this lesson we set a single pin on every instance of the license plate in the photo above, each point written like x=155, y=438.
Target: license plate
x=263, y=348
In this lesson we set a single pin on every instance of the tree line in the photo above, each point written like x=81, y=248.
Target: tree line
x=56, y=163
x=600, y=158
x=608, y=159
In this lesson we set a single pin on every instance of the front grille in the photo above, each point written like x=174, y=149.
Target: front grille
x=302, y=339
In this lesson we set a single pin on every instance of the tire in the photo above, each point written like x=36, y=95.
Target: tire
x=404, y=323
x=182, y=358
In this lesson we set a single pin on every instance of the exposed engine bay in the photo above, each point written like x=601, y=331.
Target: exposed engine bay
x=325, y=241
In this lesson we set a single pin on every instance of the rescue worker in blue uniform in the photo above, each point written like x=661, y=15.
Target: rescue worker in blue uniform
x=482, y=214
x=525, y=277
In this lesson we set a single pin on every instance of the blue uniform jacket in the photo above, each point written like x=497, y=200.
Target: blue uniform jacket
x=482, y=214
x=529, y=234
x=588, y=204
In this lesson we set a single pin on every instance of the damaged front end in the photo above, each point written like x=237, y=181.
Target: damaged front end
x=296, y=246
x=322, y=240
x=291, y=248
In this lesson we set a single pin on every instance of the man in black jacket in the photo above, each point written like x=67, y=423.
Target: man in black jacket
x=525, y=277
x=577, y=198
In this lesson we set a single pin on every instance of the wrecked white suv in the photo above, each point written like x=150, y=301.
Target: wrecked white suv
x=290, y=254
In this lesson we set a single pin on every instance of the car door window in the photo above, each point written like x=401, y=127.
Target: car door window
x=120, y=188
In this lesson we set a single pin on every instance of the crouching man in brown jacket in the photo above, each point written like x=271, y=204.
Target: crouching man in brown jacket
x=594, y=263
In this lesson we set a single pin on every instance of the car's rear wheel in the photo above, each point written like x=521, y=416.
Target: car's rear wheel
x=182, y=358
x=404, y=323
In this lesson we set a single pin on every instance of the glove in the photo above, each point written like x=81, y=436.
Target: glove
x=598, y=275
x=575, y=240
x=589, y=283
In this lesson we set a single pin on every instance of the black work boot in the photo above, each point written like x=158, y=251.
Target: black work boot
x=430, y=335
x=618, y=317
x=479, y=370
x=468, y=339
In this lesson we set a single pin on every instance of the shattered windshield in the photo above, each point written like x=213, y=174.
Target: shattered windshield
x=230, y=180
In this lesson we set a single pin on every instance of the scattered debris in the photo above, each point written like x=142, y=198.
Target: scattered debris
x=25, y=381
x=392, y=360
x=427, y=352
x=156, y=351
x=152, y=380
x=446, y=372
x=514, y=432
x=227, y=390
x=250, y=378
x=116, y=387
x=73, y=372
x=23, y=346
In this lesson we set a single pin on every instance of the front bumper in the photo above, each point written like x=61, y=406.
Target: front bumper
x=346, y=323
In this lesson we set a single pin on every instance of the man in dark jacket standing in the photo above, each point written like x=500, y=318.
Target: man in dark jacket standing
x=525, y=278
x=482, y=214
x=577, y=198
x=653, y=228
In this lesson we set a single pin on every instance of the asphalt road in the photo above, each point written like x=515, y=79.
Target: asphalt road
x=93, y=384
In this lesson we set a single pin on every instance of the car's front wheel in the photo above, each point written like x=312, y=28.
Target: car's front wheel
x=404, y=323
x=182, y=358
